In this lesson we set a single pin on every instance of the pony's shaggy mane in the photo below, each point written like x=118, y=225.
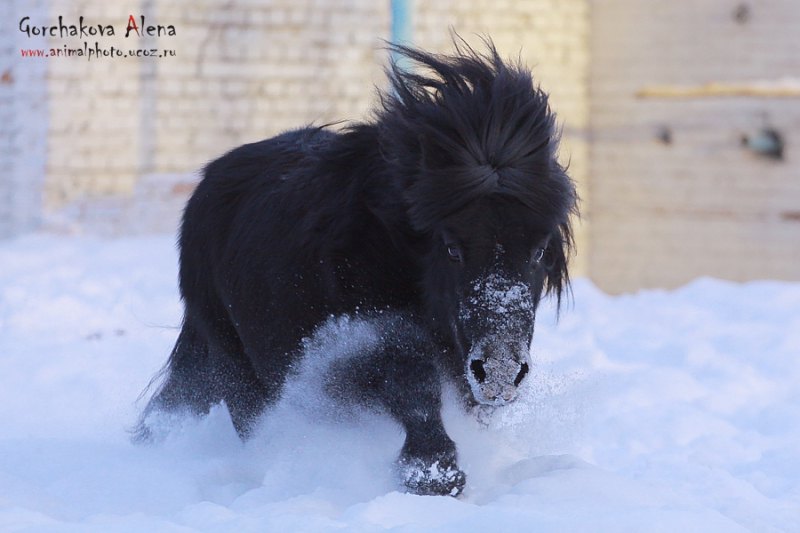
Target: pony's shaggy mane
x=470, y=125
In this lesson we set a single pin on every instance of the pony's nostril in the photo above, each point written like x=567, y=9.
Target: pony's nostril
x=522, y=371
x=477, y=370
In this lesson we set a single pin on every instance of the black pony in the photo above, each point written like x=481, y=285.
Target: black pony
x=442, y=221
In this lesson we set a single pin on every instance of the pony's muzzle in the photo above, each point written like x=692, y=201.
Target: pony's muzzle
x=495, y=375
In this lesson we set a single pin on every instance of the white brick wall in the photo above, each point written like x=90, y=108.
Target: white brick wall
x=248, y=70
x=106, y=142
x=23, y=124
x=94, y=138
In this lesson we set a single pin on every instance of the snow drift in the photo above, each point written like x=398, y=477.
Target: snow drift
x=659, y=411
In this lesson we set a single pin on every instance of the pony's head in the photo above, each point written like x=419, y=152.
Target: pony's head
x=473, y=142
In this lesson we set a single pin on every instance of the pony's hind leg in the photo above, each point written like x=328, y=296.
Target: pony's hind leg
x=244, y=394
x=184, y=388
x=207, y=367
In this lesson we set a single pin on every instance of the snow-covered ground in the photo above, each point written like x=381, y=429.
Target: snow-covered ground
x=660, y=411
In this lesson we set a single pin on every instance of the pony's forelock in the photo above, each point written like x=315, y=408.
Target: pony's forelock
x=469, y=125
x=466, y=125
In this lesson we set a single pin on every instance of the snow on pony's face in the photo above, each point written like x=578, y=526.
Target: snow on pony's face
x=495, y=260
x=475, y=145
x=502, y=311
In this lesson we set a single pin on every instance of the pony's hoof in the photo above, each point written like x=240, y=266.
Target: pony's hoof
x=440, y=477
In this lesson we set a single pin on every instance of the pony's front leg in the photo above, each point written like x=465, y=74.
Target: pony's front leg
x=412, y=394
x=399, y=375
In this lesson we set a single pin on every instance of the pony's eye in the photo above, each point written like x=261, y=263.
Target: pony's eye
x=454, y=253
x=538, y=255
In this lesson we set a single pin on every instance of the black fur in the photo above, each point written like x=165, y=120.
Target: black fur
x=443, y=221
